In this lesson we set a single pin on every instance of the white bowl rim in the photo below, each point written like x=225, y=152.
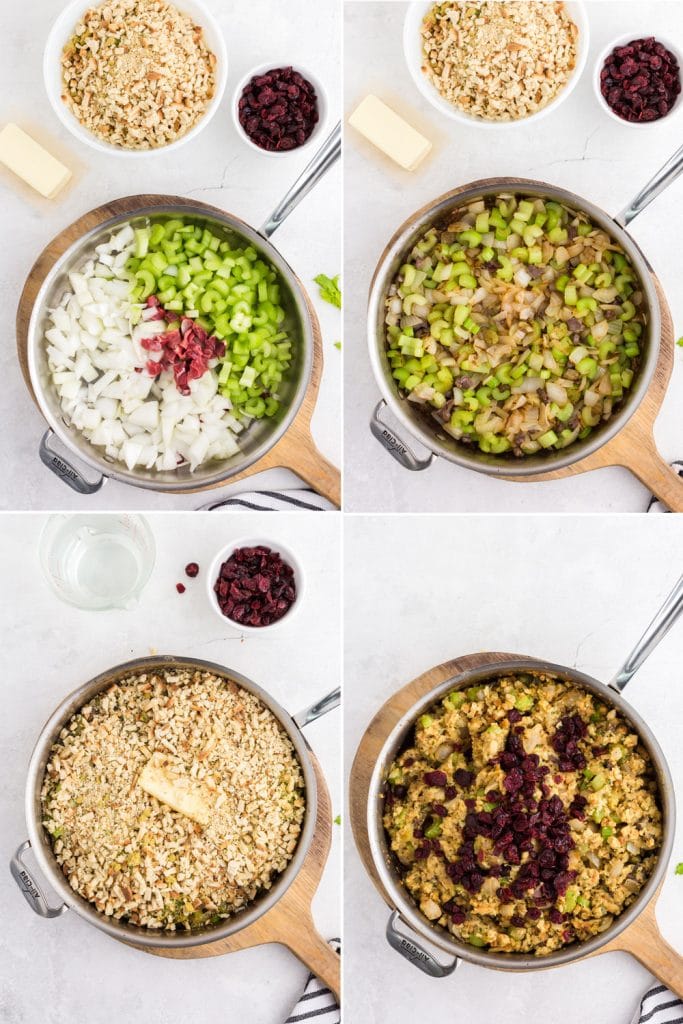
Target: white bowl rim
x=250, y=541
x=621, y=40
x=69, y=15
x=577, y=12
x=321, y=93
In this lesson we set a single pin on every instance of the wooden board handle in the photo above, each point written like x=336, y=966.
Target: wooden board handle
x=308, y=945
x=653, y=471
x=645, y=942
x=314, y=469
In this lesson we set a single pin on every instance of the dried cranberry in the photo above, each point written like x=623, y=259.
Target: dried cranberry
x=463, y=777
x=437, y=778
x=180, y=587
x=192, y=570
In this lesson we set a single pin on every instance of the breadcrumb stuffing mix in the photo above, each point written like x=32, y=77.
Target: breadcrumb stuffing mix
x=523, y=814
x=499, y=60
x=137, y=73
x=131, y=855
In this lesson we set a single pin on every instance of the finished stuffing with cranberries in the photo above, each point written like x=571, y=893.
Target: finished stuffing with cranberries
x=524, y=814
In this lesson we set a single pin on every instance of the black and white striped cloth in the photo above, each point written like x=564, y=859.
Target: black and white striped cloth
x=316, y=1005
x=655, y=504
x=301, y=499
x=659, y=1006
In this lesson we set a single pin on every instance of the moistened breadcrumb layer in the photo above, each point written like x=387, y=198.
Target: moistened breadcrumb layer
x=130, y=854
x=499, y=61
x=137, y=73
x=524, y=814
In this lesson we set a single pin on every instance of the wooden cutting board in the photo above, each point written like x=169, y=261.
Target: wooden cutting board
x=634, y=446
x=296, y=449
x=642, y=939
x=290, y=921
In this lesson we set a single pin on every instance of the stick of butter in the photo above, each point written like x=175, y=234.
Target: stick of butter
x=30, y=161
x=182, y=793
x=390, y=133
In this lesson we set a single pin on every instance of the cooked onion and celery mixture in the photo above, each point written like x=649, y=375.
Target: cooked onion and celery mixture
x=518, y=325
x=524, y=814
x=168, y=344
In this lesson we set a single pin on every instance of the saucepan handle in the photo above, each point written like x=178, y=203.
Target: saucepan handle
x=321, y=707
x=394, y=444
x=329, y=152
x=65, y=470
x=414, y=952
x=656, y=631
x=661, y=180
x=33, y=894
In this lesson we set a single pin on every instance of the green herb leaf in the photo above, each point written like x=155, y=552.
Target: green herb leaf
x=329, y=289
x=337, y=820
x=337, y=344
x=679, y=869
x=680, y=342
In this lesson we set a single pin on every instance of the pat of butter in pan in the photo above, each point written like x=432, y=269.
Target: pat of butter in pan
x=29, y=161
x=390, y=133
x=180, y=792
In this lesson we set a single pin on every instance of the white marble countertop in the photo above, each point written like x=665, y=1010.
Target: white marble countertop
x=577, y=147
x=63, y=971
x=219, y=168
x=567, y=589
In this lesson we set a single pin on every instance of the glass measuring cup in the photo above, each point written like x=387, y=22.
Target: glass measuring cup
x=97, y=561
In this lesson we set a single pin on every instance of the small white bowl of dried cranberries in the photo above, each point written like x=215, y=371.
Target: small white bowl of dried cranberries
x=279, y=109
x=637, y=79
x=255, y=585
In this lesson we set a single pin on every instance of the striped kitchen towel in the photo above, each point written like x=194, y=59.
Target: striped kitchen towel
x=659, y=1006
x=298, y=500
x=316, y=1004
x=655, y=504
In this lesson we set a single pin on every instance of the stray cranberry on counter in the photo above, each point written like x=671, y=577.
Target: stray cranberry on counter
x=278, y=110
x=180, y=587
x=192, y=570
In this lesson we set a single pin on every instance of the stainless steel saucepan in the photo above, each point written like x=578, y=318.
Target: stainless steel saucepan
x=262, y=435
x=39, y=840
x=658, y=955
x=419, y=426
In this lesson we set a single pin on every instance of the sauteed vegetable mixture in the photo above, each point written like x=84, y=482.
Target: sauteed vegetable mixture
x=518, y=325
x=523, y=814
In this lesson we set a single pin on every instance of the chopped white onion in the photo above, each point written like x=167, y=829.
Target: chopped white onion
x=99, y=371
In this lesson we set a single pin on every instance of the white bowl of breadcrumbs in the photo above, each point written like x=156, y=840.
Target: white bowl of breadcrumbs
x=496, y=63
x=135, y=77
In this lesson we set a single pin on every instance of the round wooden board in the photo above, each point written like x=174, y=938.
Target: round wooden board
x=642, y=938
x=296, y=449
x=290, y=921
x=634, y=446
